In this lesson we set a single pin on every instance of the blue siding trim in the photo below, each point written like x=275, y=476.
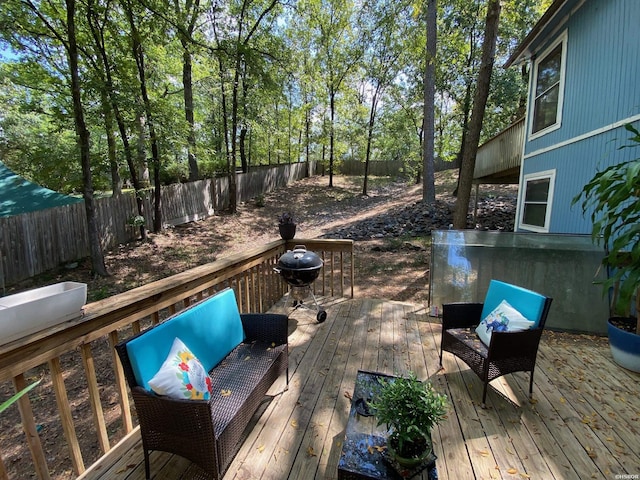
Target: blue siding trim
x=601, y=77
x=602, y=69
x=575, y=164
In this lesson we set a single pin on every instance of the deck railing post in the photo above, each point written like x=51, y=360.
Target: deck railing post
x=250, y=273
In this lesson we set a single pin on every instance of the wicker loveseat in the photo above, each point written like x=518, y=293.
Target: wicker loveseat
x=465, y=330
x=243, y=355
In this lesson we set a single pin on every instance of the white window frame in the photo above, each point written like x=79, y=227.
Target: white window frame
x=562, y=39
x=551, y=176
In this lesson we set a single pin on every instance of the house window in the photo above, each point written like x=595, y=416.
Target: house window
x=536, y=202
x=548, y=89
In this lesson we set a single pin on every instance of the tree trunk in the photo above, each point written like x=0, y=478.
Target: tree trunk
x=372, y=119
x=307, y=135
x=97, y=258
x=475, y=126
x=233, y=188
x=242, y=143
x=187, y=84
x=225, y=123
x=243, y=129
x=98, y=38
x=466, y=108
x=428, y=144
x=138, y=55
x=332, y=107
x=116, y=181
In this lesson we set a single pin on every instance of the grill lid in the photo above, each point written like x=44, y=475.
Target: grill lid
x=299, y=259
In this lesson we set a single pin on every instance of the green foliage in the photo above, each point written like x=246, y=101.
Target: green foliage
x=287, y=218
x=136, y=221
x=409, y=408
x=295, y=59
x=612, y=197
x=17, y=396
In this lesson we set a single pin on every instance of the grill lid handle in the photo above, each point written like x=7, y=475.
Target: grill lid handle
x=299, y=251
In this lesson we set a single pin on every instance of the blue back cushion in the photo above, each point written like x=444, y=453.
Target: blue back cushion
x=529, y=304
x=210, y=329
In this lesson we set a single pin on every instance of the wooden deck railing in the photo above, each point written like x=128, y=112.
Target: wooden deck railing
x=84, y=348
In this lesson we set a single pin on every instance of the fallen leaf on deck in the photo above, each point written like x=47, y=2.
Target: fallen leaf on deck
x=294, y=423
x=225, y=393
x=311, y=452
x=247, y=358
x=348, y=395
x=512, y=471
x=484, y=453
x=261, y=448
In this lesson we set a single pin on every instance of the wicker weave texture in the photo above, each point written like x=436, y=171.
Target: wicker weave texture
x=508, y=352
x=208, y=432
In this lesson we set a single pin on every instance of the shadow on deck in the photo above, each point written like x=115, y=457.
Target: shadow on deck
x=584, y=421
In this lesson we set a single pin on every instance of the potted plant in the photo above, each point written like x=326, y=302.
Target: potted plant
x=287, y=225
x=613, y=198
x=409, y=408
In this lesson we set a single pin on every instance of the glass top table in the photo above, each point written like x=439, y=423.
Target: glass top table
x=363, y=450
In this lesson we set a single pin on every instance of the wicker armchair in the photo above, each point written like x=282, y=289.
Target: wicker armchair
x=208, y=432
x=507, y=351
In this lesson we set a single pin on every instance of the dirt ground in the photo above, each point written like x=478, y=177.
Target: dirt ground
x=387, y=266
x=319, y=210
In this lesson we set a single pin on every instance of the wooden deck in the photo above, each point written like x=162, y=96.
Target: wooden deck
x=584, y=421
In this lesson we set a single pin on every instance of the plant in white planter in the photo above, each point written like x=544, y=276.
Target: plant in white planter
x=613, y=198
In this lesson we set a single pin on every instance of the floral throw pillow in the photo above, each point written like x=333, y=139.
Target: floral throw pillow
x=503, y=318
x=182, y=376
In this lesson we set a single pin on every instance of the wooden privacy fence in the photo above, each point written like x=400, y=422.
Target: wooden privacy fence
x=83, y=349
x=387, y=168
x=35, y=242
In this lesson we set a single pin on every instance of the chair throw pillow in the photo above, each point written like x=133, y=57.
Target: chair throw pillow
x=182, y=376
x=503, y=318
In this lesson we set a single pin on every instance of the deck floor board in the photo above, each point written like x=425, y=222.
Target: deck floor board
x=584, y=420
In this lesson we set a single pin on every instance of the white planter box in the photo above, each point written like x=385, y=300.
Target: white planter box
x=28, y=312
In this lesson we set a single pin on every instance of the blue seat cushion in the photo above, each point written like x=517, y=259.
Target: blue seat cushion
x=530, y=304
x=210, y=329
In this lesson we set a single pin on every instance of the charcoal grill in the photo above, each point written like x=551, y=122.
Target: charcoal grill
x=300, y=268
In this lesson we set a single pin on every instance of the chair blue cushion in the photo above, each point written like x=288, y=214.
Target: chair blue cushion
x=530, y=304
x=210, y=329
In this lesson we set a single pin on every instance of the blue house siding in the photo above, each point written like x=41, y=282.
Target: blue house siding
x=574, y=165
x=601, y=93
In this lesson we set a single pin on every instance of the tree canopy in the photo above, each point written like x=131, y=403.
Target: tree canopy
x=175, y=90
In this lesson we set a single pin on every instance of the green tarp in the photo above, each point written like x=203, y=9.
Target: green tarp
x=18, y=195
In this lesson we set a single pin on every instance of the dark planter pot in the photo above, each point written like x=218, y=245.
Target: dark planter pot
x=420, y=453
x=625, y=346
x=287, y=230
